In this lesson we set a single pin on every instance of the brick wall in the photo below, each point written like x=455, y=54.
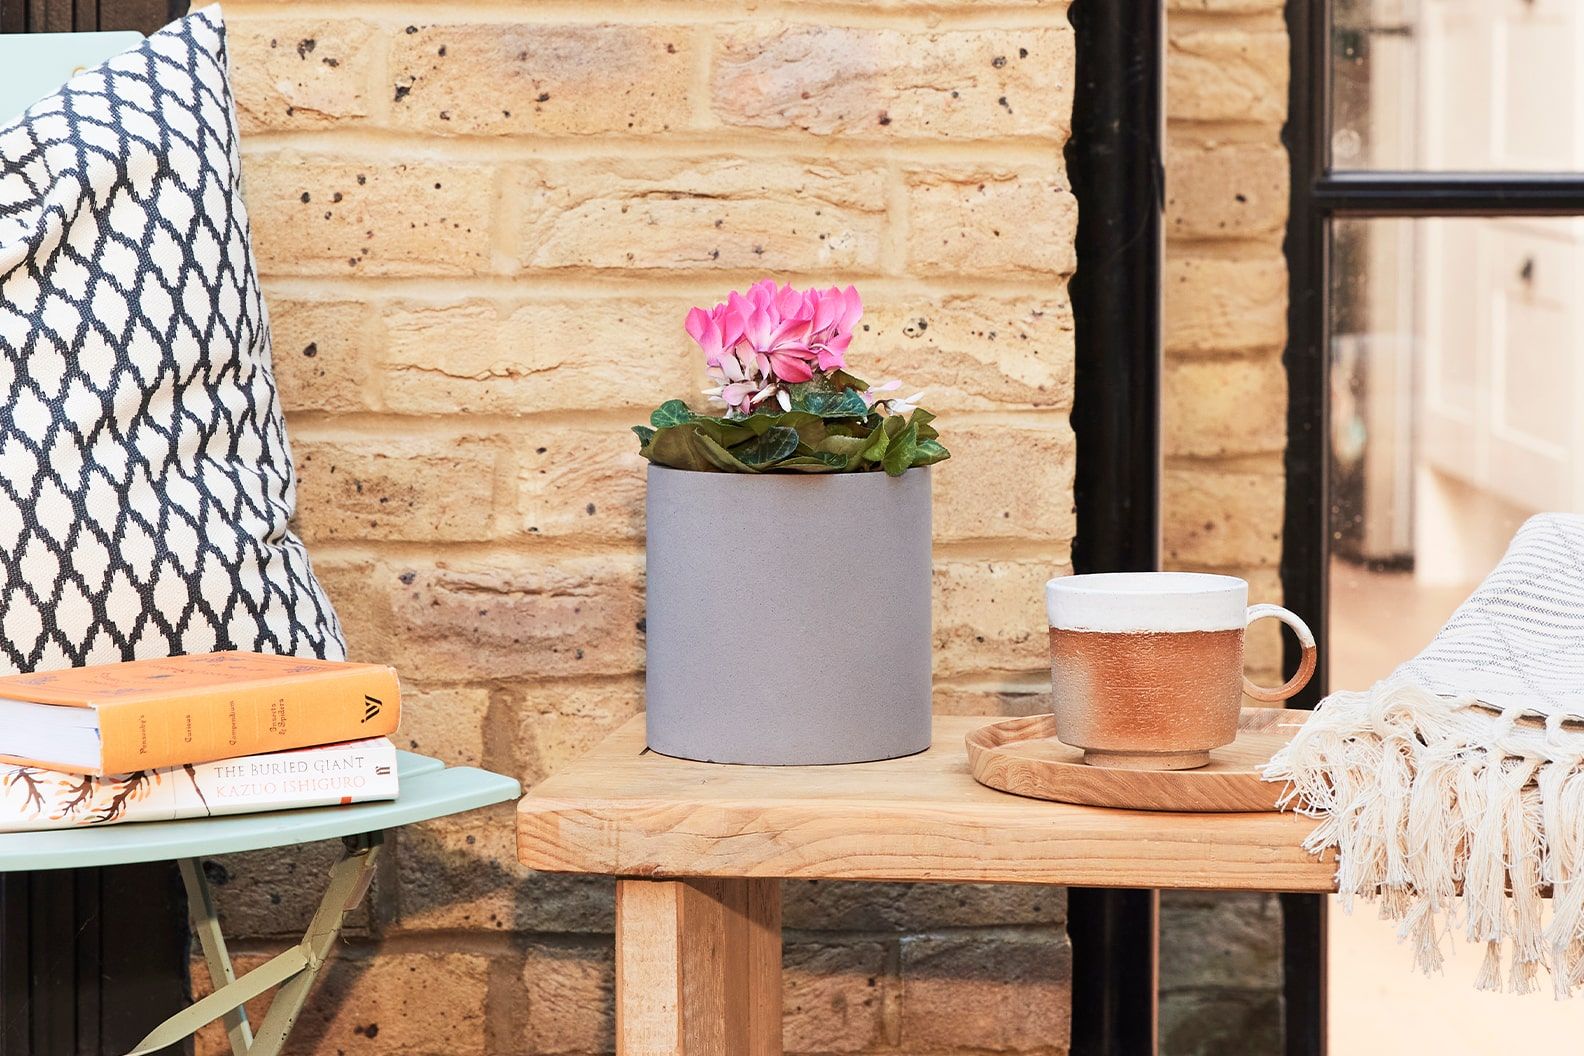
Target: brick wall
x=480, y=226
x=1225, y=407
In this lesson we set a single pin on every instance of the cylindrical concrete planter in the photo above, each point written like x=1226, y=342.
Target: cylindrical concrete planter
x=788, y=616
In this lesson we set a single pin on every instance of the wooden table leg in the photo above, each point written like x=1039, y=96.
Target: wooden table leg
x=698, y=967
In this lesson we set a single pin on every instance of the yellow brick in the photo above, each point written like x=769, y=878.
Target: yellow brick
x=1028, y=696
x=447, y=722
x=719, y=213
x=438, y=488
x=266, y=894
x=571, y=998
x=1222, y=518
x=834, y=995
x=1006, y=482
x=536, y=618
x=995, y=993
x=362, y=606
x=1218, y=407
x=1225, y=191
x=556, y=722
x=461, y=873
x=318, y=216
x=984, y=221
x=835, y=80
x=1217, y=305
x=1227, y=75
x=971, y=352
x=475, y=357
x=322, y=353
x=581, y=482
x=542, y=79
x=300, y=73
x=990, y=614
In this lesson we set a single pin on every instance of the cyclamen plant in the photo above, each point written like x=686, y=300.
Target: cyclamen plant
x=779, y=357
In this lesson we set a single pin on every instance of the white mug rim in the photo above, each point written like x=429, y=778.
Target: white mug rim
x=1146, y=602
x=1147, y=583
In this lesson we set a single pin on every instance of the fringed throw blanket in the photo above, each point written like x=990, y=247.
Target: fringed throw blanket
x=1463, y=773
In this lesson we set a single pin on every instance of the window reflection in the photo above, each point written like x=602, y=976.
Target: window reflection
x=1446, y=85
x=1457, y=365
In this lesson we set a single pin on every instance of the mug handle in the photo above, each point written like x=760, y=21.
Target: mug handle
x=1306, y=667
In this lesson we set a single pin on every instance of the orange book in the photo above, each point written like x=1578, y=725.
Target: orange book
x=145, y=714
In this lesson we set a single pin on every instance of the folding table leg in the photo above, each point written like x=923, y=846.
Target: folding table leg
x=206, y=922
x=293, y=970
x=349, y=882
x=698, y=967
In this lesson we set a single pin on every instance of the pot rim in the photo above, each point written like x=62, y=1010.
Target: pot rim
x=653, y=469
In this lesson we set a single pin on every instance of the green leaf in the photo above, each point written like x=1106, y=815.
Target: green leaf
x=758, y=422
x=671, y=412
x=921, y=419
x=724, y=431
x=878, y=442
x=646, y=435
x=721, y=458
x=775, y=445
x=679, y=447
x=929, y=452
x=687, y=446
x=820, y=462
x=844, y=404
x=899, y=455
x=840, y=379
x=846, y=446
x=810, y=427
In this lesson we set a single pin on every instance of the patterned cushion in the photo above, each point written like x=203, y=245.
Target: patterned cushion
x=145, y=479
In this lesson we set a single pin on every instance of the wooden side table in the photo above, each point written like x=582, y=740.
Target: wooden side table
x=699, y=851
x=428, y=789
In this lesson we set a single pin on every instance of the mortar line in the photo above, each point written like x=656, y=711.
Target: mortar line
x=689, y=147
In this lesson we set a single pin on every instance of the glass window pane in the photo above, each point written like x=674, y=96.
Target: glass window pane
x=1449, y=85
x=1457, y=362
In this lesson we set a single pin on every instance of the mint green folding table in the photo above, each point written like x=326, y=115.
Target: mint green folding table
x=429, y=789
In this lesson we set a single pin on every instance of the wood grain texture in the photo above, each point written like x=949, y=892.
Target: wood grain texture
x=1023, y=756
x=698, y=967
x=624, y=811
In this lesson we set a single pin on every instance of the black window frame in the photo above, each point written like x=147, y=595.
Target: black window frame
x=1115, y=161
x=1319, y=196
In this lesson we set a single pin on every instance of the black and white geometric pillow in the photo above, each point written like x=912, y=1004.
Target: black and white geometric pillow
x=145, y=480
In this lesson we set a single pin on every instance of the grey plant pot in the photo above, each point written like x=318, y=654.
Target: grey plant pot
x=788, y=616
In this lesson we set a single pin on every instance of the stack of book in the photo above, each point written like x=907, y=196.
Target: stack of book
x=193, y=736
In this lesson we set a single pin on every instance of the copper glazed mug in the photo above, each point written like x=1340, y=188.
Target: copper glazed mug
x=1147, y=667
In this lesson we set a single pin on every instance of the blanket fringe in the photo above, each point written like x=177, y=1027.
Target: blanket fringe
x=1426, y=799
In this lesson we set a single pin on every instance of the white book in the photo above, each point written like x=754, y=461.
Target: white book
x=33, y=798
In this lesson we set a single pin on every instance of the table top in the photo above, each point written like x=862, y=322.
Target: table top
x=428, y=789
x=625, y=811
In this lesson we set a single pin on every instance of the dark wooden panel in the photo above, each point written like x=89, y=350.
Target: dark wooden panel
x=86, y=16
x=145, y=16
x=90, y=960
x=15, y=952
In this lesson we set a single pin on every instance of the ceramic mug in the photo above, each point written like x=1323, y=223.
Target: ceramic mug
x=1147, y=667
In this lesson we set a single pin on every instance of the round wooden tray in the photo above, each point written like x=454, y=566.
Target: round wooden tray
x=1023, y=756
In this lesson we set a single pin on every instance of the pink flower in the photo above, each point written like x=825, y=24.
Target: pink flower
x=771, y=336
